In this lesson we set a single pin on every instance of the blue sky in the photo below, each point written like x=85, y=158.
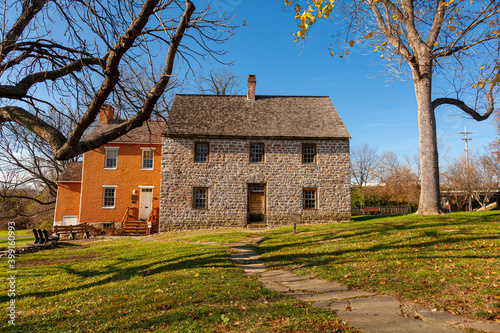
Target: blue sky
x=375, y=108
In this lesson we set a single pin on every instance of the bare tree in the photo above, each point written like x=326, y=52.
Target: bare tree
x=401, y=183
x=364, y=163
x=219, y=81
x=455, y=39
x=89, y=52
x=30, y=159
x=478, y=179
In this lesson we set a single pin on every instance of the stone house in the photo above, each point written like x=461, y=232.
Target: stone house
x=232, y=161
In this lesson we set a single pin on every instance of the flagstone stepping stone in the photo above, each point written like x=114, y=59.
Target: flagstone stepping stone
x=378, y=305
x=336, y=306
x=315, y=285
x=454, y=320
x=252, y=269
x=391, y=323
x=243, y=249
x=281, y=276
x=342, y=295
x=442, y=317
x=488, y=327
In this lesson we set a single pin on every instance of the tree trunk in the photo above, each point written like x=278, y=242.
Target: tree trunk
x=429, y=203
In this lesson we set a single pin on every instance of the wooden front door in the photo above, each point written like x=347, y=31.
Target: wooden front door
x=256, y=203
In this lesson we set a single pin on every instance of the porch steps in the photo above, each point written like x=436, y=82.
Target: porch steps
x=135, y=228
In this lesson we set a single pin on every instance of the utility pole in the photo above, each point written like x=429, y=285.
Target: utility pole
x=467, y=139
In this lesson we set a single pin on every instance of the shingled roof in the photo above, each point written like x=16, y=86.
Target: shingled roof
x=72, y=173
x=264, y=117
x=149, y=132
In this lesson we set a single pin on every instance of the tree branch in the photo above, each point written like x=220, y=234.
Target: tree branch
x=464, y=107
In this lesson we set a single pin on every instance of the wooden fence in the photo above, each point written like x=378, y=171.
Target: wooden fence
x=388, y=210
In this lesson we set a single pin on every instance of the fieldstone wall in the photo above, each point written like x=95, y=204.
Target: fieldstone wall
x=228, y=173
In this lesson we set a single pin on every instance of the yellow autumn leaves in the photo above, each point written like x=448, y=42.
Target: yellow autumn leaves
x=307, y=17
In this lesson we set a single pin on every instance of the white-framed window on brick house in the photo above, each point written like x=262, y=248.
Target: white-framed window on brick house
x=201, y=151
x=108, y=196
x=308, y=153
x=256, y=152
x=310, y=198
x=200, y=198
x=111, y=158
x=148, y=156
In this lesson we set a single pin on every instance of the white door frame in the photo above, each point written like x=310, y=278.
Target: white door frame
x=145, y=207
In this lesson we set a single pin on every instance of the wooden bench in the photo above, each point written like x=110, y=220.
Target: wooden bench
x=72, y=230
x=371, y=211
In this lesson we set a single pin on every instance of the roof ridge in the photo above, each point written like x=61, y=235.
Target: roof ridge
x=294, y=96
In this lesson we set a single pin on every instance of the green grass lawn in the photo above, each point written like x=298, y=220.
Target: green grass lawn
x=151, y=285
x=169, y=283
x=4, y=243
x=449, y=262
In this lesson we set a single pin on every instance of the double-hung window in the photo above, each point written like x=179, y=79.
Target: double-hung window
x=147, y=159
x=310, y=198
x=256, y=153
x=309, y=153
x=201, y=152
x=111, y=158
x=200, y=198
x=108, y=196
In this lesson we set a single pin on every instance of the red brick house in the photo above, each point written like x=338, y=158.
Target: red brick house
x=117, y=182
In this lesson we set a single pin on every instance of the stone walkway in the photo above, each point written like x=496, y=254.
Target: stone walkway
x=367, y=311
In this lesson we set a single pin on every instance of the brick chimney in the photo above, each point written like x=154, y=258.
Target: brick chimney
x=107, y=113
x=252, y=81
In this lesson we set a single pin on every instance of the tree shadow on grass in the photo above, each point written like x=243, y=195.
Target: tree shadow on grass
x=402, y=235
x=123, y=269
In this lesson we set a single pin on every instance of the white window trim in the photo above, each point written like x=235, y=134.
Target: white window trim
x=114, y=202
x=142, y=160
x=106, y=157
x=145, y=186
x=148, y=148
